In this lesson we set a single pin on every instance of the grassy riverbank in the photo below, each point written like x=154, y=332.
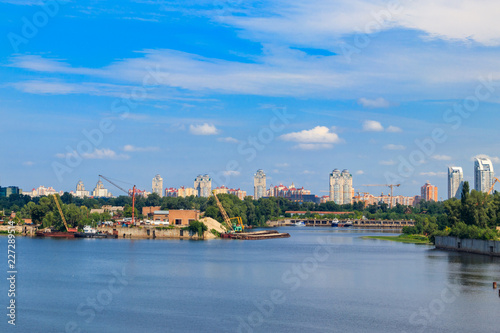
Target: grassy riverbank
x=414, y=239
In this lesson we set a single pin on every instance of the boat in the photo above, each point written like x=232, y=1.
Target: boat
x=59, y=234
x=346, y=224
x=89, y=232
x=298, y=224
x=256, y=235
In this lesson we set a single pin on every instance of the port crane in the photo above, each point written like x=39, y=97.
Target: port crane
x=56, y=200
x=129, y=193
x=239, y=223
x=391, y=186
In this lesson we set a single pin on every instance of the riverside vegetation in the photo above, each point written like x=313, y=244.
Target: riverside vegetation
x=476, y=215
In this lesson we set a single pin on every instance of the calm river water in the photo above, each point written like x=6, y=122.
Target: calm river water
x=319, y=280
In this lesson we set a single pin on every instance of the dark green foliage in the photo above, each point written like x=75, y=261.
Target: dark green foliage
x=197, y=227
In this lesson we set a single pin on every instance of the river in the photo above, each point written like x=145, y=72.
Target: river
x=318, y=280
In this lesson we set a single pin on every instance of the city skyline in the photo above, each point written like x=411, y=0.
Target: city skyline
x=340, y=185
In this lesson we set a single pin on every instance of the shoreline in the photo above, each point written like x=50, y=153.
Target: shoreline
x=422, y=240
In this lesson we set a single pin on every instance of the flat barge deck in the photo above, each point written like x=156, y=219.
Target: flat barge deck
x=256, y=235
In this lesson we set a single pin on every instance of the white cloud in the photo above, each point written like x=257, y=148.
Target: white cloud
x=394, y=129
x=441, y=157
x=228, y=139
x=433, y=174
x=131, y=148
x=374, y=103
x=372, y=126
x=97, y=154
x=282, y=165
x=389, y=162
x=28, y=163
x=319, y=134
x=104, y=154
x=231, y=173
x=308, y=172
x=467, y=20
x=313, y=146
x=493, y=159
x=394, y=147
x=203, y=129
x=360, y=172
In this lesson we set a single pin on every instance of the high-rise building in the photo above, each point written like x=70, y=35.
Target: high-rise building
x=158, y=185
x=100, y=191
x=455, y=182
x=203, y=186
x=80, y=190
x=9, y=190
x=484, y=175
x=171, y=192
x=183, y=192
x=341, y=187
x=429, y=192
x=259, y=184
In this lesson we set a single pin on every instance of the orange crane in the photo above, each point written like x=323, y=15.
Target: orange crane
x=62, y=215
x=226, y=218
x=129, y=192
x=359, y=195
x=493, y=185
x=489, y=191
x=388, y=185
x=238, y=227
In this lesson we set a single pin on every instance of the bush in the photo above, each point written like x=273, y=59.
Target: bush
x=197, y=227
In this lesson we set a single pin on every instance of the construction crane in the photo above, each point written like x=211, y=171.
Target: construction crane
x=493, y=185
x=226, y=218
x=61, y=212
x=128, y=193
x=490, y=190
x=388, y=185
x=239, y=223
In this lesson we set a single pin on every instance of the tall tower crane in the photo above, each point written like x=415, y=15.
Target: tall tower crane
x=130, y=193
x=388, y=185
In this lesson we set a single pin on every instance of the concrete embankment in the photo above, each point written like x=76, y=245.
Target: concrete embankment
x=491, y=248
x=140, y=232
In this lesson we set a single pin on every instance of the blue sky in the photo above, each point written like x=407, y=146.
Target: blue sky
x=228, y=87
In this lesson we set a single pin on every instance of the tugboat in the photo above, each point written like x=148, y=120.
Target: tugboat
x=89, y=232
x=335, y=222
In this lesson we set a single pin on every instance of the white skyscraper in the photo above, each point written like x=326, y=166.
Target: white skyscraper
x=483, y=174
x=100, y=190
x=80, y=190
x=158, y=185
x=341, y=187
x=259, y=184
x=455, y=182
x=203, y=186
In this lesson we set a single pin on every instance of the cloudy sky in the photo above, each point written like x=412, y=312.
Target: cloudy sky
x=394, y=91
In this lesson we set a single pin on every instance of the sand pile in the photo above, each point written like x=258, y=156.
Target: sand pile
x=212, y=224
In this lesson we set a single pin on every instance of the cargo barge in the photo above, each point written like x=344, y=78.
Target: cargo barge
x=257, y=235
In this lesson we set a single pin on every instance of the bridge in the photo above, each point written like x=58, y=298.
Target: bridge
x=355, y=223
